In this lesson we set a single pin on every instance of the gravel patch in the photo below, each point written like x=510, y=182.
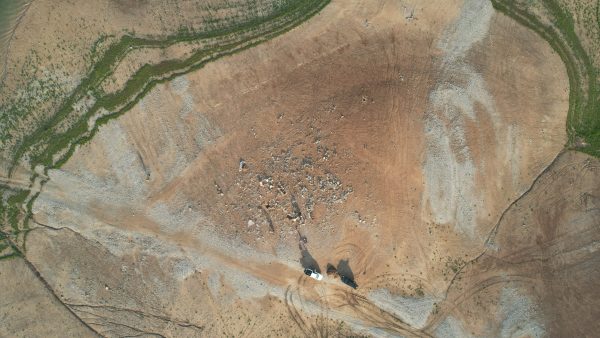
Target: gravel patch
x=414, y=311
x=451, y=328
x=518, y=315
x=449, y=168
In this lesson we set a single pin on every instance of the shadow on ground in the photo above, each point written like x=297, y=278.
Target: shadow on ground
x=308, y=262
x=344, y=269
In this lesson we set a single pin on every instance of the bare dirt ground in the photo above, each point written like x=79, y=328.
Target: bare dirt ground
x=416, y=146
x=541, y=269
x=57, y=42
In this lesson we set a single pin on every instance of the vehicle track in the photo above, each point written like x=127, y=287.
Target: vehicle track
x=369, y=312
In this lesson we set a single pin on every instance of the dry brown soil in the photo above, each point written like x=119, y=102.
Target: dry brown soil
x=422, y=155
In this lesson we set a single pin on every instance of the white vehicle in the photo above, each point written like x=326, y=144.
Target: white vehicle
x=313, y=274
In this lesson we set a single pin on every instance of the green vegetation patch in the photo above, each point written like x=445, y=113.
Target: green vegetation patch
x=54, y=140
x=555, y=24
x=51, y=147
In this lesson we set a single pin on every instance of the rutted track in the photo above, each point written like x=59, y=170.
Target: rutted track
x=340, y=303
